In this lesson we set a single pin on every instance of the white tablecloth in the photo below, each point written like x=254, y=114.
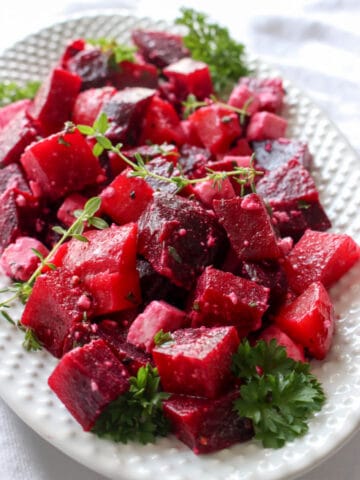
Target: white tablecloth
x=315, y=44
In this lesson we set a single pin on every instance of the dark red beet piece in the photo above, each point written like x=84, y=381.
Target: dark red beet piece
x=92, y=66
x=197, y=361
x=54, y=307
x=248, y=226
x=193, y=160
x=12, y=221
x=88, y=104
x=179, y=238
x=320, y=257
x=53, y=103
x=12, y=178
x=221, y=298
x=8, y=112
x=73, y=202
x=159, y=48
x=60, y=164
x=72, y=49
x=87, y=379
x=130, y=74
x=125, y=111
x=205, y=425
x=271, y=154
x=165, y=168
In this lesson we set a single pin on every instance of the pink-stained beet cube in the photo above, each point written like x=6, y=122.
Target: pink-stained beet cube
x=265, y=125
x=320, y=257
x=207, y=425
x=248, y=226
x=309, y=320
x=241, y=97
x=293, y=350
x=271, y=154
x=19, y=260
x=207, y=191
x=87, y=379
x=221, y=298
x=197, y=361
x=8, y=112
x=269, y=92
x=158, y=315
x=216, y=127
x=61, y=164
x=73, y=202
x=54, y=102
x=88, y=104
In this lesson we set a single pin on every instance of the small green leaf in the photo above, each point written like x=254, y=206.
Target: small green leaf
x=79, y=237
x=104, y=142
x=101, y=124
x=98, y=222
x=78, y=213
x=162, y=337
x=97, y=150
x=59, y=230
x=38, y=254
x=31, y=343
x=86, y=130
x=62, y=141
x=175, y=255
x=92, y=206
x=7, y=317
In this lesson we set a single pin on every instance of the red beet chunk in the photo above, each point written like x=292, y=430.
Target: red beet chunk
x=207, y=191
x=159, y=48
x=221, y=298
x=207, y=425
x=72, y=49
x=19, y=260
x=309, y=320
x=18, y=133
x=216, y=127
x=179, y=238
x=189, y=76
x=197, y=361
x=91, y=65
x=54, y=101
x=60, y=164
x=193, y=161
x=130, y=74
x=8, y=112
x=320, y=257
x=54, y=307
x=161, y=124
x=241, y=97
x=248, y=226
x=265, y=125
x=293, y=350
x=87, y=379
x=125, y=111
x=156, y=316
x=268, y=91
x=73, y=202
x=12, y=178
x=165, y=168
x=88, y=104
x=272, y=154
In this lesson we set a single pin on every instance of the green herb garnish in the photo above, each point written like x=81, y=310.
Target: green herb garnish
x=162, y=337
x=213, y=45
x=120, y=51
x=136, y=415
x=11, y=92
x=278, y=394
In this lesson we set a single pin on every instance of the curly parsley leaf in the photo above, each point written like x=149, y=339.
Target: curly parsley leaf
x=278, y=394
x=11, y=92
x=137, y=415
x=213, y=45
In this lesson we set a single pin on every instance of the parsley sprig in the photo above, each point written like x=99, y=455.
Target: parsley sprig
x=22, y=290
x=279, y=394
x=11, y=92
x=137, y=415
x=213, y=45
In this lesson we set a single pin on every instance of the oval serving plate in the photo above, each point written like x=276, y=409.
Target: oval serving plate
x=23, y=376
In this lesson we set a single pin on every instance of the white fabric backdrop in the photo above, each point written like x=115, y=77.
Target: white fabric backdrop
x=315, y=44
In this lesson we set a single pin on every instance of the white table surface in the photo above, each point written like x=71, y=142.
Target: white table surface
x=315, y=44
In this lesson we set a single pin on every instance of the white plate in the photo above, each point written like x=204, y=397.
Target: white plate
x=23, y=376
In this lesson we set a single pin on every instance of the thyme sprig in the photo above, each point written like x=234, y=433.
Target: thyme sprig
x=192, y=103
x=22, y=291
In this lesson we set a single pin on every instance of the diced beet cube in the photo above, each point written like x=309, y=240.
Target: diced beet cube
x=248, y=226
x=87, y=379
x=293, y=350
x=193, y=161
x=179, y=238
x=8, y=112
x=241, y=97
x=73, y=202
x=130, y=74
x=91, y=65
x=269, y=91
x=106, y=265
x=12, y=178
x=125, y=111
x=11, y=219
x=88, y=104
x=159, y=48
x=55, y=305
x=197, y=361
x=156, y=316
x=15, y=137
x=207, y=425
x=240, y=149
x=271, y=154
x=265, y=125
x=60, y=164
x=72, y=49
x=320, y=257
x=190, y=76
x=126, y=198
x=161, y=124
x=19, y=260
x=309, y=320
x=165, y=168
x=221, y=298
x=53, y=103
x=216, y=127
x=190, y=132
x=207, y=191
